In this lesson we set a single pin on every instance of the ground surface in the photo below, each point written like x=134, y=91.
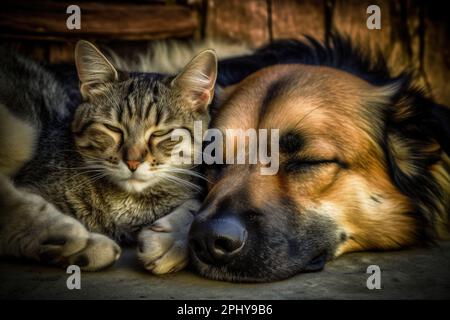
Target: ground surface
x=409, y=274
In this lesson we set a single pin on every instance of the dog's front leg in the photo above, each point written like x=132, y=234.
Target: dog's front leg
x=163, y=246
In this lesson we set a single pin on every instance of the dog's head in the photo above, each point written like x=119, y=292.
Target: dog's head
x=360, y=167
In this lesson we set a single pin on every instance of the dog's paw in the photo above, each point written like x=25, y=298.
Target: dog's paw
x=67, y=242
x=163, y=246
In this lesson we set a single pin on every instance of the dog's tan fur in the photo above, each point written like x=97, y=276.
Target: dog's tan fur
x=361, y=199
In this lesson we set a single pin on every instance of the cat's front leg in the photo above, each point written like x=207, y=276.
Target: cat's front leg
x=31, y=227
x=163, y=246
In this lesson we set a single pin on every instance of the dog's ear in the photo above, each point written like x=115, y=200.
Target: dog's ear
x=94, y=70
x=440, y=125
x=197, y=80
x=416, y=140
x=419, y=120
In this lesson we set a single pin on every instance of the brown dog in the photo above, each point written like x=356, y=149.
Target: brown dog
x=363, y=164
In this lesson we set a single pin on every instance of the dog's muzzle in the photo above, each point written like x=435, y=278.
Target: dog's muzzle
x=245, y=246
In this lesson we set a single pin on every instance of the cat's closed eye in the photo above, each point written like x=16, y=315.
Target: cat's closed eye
x=112, y=128
x=160, y=133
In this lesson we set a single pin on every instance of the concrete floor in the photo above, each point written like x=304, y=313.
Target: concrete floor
x=409, y=274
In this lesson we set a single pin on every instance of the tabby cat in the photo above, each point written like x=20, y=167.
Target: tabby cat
x=73, y=181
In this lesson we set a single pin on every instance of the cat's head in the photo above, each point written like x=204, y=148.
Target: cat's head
x=123, y=127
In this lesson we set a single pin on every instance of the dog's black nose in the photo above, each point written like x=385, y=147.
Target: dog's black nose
x=216, y=241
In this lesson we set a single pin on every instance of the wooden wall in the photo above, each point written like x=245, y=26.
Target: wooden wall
x=414, y=33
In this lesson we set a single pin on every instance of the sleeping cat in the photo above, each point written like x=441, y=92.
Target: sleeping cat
x=73, y=181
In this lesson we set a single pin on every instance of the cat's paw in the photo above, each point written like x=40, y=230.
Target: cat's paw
x=36, y=229
x=163, y=246
x=100, y=252
x=67, y=242
x=58, y=238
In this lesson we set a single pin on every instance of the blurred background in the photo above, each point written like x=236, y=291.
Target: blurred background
x=414, y=33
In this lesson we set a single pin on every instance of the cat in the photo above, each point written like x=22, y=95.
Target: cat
x=77, y=179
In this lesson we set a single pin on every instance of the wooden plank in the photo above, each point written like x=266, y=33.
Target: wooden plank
x=60, y=52
x=437, y=51
x=119, y=21
x=350, y=17
x=412, y=15
x=293, y=19
x=237, y=20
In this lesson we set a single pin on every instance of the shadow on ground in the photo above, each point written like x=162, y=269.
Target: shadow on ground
x=409, y=274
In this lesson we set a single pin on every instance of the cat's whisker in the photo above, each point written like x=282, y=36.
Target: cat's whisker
x=193, y=167
x=187, y=172
x=85, y=172
x=76, y=168
x=90, y=180
x=180, y=181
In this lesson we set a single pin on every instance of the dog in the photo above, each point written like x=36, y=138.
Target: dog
x=364, y=165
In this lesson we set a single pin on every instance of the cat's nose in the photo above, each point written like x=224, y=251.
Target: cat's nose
x=133, y=165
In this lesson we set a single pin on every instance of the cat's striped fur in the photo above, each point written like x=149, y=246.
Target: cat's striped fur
x=73, y=183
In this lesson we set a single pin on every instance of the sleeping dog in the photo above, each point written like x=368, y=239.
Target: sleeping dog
x=363, y=165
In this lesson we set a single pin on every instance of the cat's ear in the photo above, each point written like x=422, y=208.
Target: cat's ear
x=197, y=80
x=94, y=70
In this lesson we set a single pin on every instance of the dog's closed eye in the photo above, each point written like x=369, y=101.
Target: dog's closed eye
x=296, y=165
